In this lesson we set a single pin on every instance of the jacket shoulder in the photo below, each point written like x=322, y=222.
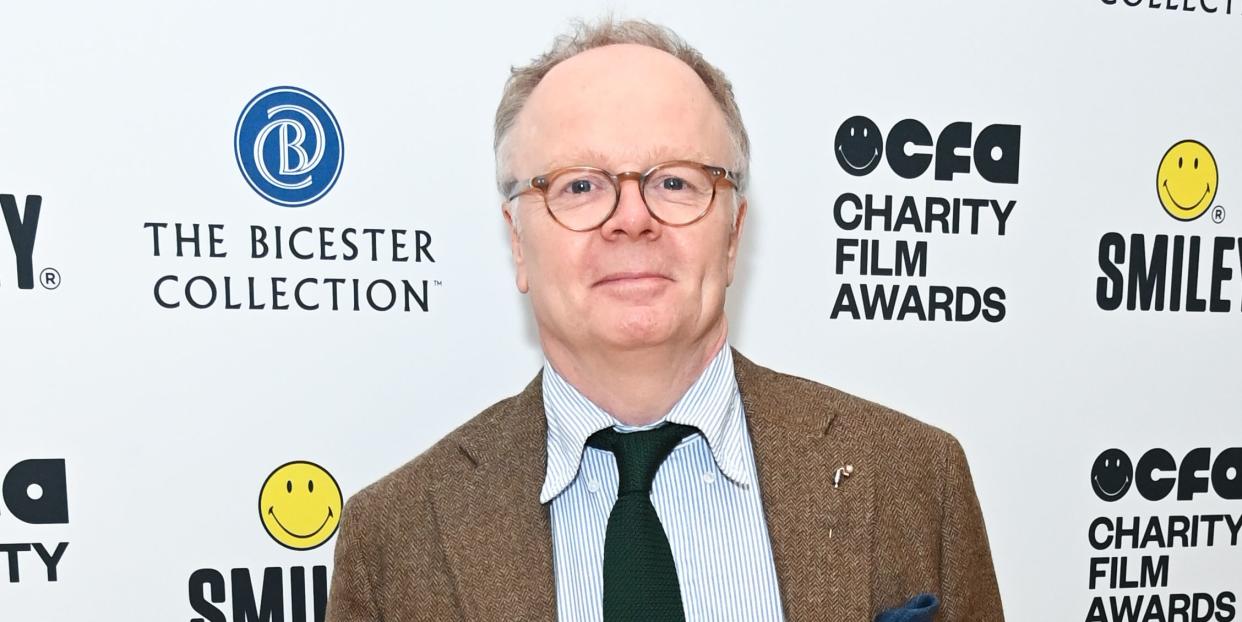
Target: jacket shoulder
x=390, y=539
x=878, y=426
x=394, y=514
x=410, y=482
x=928, y=532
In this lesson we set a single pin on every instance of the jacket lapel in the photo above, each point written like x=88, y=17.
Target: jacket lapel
x=821, y=536
x=497, y=537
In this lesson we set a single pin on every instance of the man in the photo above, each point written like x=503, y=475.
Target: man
x=649, y=471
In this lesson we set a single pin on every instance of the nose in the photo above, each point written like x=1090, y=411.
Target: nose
x=631, y=218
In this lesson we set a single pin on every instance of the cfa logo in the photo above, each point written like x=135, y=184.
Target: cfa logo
x=34, y=492
x=300, y=508
x=289, y=146
x=1158, y=473
x=860, y=146
x=1187, y=180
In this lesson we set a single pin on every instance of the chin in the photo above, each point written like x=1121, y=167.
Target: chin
x=637, y=329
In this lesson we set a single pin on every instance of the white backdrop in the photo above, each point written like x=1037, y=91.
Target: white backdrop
x=169, y=420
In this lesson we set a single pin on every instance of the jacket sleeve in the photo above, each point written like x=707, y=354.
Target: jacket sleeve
x=350, y=598
x=969, y=592
x=390, y=564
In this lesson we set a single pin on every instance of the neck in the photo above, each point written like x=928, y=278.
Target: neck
x=636, y=386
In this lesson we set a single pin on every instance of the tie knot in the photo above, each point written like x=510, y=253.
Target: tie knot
x=640, y=454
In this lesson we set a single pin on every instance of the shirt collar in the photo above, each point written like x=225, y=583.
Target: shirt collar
x=711, y=404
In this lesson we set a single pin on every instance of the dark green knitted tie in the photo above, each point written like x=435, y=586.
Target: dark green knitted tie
x=640, y=578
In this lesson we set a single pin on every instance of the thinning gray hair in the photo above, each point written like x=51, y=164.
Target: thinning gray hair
x=608, y=31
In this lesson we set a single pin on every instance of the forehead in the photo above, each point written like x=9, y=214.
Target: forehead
x=619, y=107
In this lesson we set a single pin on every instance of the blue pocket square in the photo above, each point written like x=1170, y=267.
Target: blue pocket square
x=921, y=608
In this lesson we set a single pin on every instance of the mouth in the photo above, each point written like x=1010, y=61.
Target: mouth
x=271, y=511
x=846, y=159
x=1207, y=187
x=622, y=278
x=1096, y=479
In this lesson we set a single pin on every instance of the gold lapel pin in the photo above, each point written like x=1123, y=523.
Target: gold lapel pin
x=844, y=471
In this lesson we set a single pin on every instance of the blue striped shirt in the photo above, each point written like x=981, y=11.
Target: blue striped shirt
x=706, y=494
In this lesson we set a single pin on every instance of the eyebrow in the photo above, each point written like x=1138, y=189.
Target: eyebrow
x=656, y=155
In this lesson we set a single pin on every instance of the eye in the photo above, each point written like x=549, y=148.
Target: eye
x=851, y=131
x=310, y=485
x=1196, y=162
x=288, y=486
x=864, y=132
x=1179, y=162
x=673, y=183
x=578, y=187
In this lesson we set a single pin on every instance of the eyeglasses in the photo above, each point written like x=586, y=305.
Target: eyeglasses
x=582, y=198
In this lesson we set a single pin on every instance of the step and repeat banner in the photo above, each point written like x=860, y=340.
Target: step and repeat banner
x=253, y=260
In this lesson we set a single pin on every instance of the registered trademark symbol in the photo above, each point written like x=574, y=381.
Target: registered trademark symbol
x=49, y=278
x=1218, y=214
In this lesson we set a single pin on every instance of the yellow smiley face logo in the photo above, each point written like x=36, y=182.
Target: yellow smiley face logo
x=1186, y=180
x=300, y=505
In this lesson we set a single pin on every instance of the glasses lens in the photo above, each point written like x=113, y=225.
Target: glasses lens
x=679, y=193
x=581, y=198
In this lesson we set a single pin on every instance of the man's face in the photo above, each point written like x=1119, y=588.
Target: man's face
x=633, y=282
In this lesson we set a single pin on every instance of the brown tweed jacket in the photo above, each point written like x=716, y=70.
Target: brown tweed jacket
x=458, y=533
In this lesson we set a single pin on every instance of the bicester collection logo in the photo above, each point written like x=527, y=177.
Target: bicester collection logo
x=1146, y=272
x=1207, y=7
x=1121, y=581
x=300, y=506
x=902, y=222
x=289, y=146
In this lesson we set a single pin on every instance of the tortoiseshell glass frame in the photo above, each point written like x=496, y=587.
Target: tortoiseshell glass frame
x=541, y=183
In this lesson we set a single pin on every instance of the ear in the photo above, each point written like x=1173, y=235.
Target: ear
x=515, y=246
x=735, y=238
